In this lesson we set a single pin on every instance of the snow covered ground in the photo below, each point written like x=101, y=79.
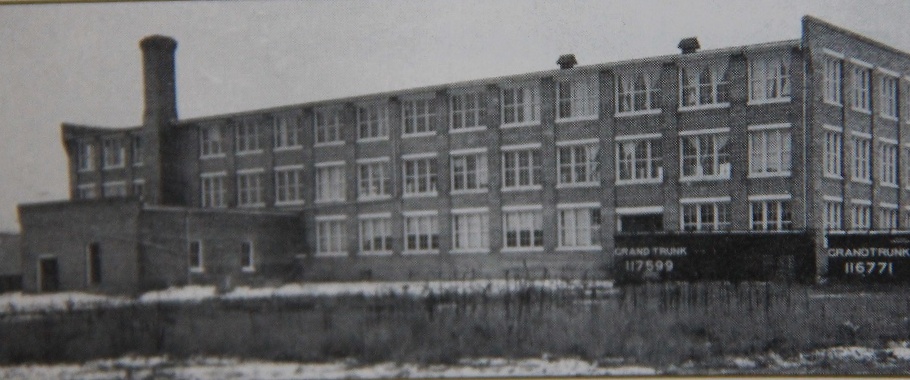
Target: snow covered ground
x=13, y=303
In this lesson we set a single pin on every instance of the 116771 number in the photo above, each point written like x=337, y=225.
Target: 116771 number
x=872, y=268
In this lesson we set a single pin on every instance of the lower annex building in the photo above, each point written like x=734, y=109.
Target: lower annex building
x=745, y=162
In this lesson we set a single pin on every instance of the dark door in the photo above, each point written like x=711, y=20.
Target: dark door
x=50, y=281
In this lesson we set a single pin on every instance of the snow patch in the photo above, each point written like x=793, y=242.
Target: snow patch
x=18, y=302
x=851, y=353
x=179, y=294
x=744, y=363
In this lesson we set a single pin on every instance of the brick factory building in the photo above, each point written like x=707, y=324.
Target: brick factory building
x=739, y=162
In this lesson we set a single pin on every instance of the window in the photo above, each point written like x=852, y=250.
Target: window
x=330, y=236
x=288, y=132
x=862, y=216
x=577, y=163
x=372, y=122
x=419, y=175
x=93, y=264
x=640, y=219
x=374, y=179
x=112, y=152
x=139, y=188
x=327, y=126
x=421, y=232
x=210, y=144
x=833, y=154
x=638, y=92
x=195, y=257
x=470, y=230
x=375, y=234
x=705, y=155
x=247, y=257
x=288, y=185
x=467, y=111
x=86, y=191
x=771, y=215
x=85, y=156
x=862, y=163
x=213, y=190
x=249, y=188
x=708, y=215
x=521, y=105
x=769, y=151
x=248, y=138
x=577, y=98
x=330, y=185
x=639, y=160
x=832, y=81
x=138, y=150
x=469, y=170
x=522, y=229
x=116, y=189
x=833, y=215
x=704, y=85
x=889, y=97
x=888, y=217
x=579, y=226
x=889, y=163
x=418, y=117
x=521, y=168
x=769, y=79
x=862, y=81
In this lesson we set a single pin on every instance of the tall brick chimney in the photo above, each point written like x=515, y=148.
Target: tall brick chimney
x=160, y=89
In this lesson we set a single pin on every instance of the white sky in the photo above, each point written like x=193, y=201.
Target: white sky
x=81, y=62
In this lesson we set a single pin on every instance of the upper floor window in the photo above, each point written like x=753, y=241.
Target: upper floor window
x=861, y=84
x=469, y=170
x=289, y=185
x=138, y=150
x=330, y=184
x=467, y=111
x=213, y=190
x=832, y=81
x=331, y=239
x=418, y=117
x=521, y=168
x=862, y=158
x=639, y=159
x=372, y=122
x=638, y=91
x=833, y=153
x=579, y=226
x=86, y=191
x=889, y=97
x=521, y=104
x=769, y=150
x=577, y=163
x=577, y=98
x=115, y=189
x=419, y=175
x=705, y=154
x=861, y=215
x=249, y=188
x=705, y=215
x=112, y=152
x=704, y=85
x=327, y=124
x=210, y=143
x=769, y=79
x=374, y=178
x=248, y=139
x=85, y=156
x=888, y=164
x=771, y=215
x=288, y=132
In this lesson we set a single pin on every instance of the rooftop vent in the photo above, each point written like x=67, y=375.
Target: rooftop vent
x=566, y=61
x=689, y=45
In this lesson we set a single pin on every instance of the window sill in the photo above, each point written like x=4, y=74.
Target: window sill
x=833, y=103
x=372, y=139
x=197, y=270
x=327, y=201
x=580, y=248
x=469, y=191
x=700, y=107
x=860, y=110
x=769, y=175
x=212, y=156
x=375, y=198
x=290, y=203
x=85, y=170
x=251, y=205
x=328, y=144
x=468, y=129
x=419, y=195
x=479, y=251
x=577, y=118
x=519, y=125
x=249, y=152
x=704, y=178
x=248, y=270
x=889, y=185
x=140, y=164
x=644, y=181
x=422, y=252
x=576, y=185
x=623, y=114
x=522, y=250
x=375, y=253
x=106, y=168
x=888, y=117
x=418, y=134
x=523, y=188
x=759, y=102
x=287, y=148
x=862, y=181
x=331, y=254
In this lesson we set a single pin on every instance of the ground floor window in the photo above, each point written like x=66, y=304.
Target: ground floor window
x=86, y=191
x=579, y=226
x=247, y=257
x=421, y=232
x=522, y=228
x=834, y=215
x=376, y=234
x=330, y=237
x=114, y=189
x=289, y=185
x=861, y=217
x=470, y=230
x=93, y=264
x=640, y=223
x=888, y=218
x=771, y=215
x=195, y=256
x=706, y=216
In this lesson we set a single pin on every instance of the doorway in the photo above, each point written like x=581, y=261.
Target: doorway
x=48, y=275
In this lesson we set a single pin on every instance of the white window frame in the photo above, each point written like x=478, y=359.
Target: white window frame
x=888, y=216
x=86, y=191
x=113, y=153
x=862, y=158
x=250, y=256
x=107, y=189
x=199, y=256
x=374, y=179
x=465, y=105
x=288, y=133
x=418, y=116
x=213, y=193
x=335, y=226
x=888, y=95
x=834, y=211
x=332, y=189
x=327, y=127
x=527, y=104
x=470, y=230
x=522, y=154
x=137, y=150
x=419, y=171
x=718, y=85
x=211, y=143
x=860, y=87
x=460, y=171
x=372, y=122
x=249, y=187
x=721, y=164
x=573, y=234
x=591, y=175
x=85, y=156
x=628, y=92
x=248, y=137
x=421, y=223
x=529, y=219
x=371, y=228
x=582, y=97
x=860, y=215
x=766, y=159
x=888, y=162
x=719, y=208
x=775, y=212
x=652, y=164
x=833, y=155
x=289, y=185
x=769, y=78
x=832, y=83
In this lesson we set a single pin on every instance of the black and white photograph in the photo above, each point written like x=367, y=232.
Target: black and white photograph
x=454, y=189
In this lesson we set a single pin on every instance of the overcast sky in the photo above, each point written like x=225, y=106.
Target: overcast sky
x=81, y=62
